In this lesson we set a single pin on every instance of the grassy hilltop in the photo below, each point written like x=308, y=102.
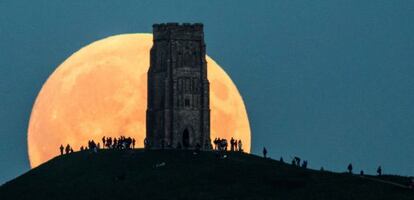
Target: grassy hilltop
x=173, y=174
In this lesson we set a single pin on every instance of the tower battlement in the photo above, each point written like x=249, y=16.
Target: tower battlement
x=177, y=31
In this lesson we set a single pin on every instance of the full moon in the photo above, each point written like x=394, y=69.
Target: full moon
x=101, y=90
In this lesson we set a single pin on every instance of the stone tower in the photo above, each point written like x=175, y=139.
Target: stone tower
x=178, y=108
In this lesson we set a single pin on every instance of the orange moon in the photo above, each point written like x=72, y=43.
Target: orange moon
x=101, y=90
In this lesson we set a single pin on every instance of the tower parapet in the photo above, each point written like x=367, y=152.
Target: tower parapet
x=176, y=31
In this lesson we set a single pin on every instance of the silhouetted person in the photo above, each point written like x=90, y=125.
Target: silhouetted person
x=133, y=143
x=109, y=142
x=305, y=164
x=240, y=145
x=71, y=150
x=264, y=152
x=215, y=142
x=232, y=144
x=297, y=160
x=81, y=148
x=61, y=149
x=361, y=173
x=92, y=146
x=281, y=159
x=103, y=142
x=293, y=162
x=67, y=149
x=235, y=145
x=350, y=168
x=379, y=171
x=222, y=144
x=115, y=144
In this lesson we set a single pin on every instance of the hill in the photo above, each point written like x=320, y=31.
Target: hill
x=173, y=174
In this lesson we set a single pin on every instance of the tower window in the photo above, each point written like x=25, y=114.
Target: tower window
x=187, y=102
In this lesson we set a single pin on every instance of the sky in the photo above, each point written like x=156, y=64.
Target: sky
x=328, y=81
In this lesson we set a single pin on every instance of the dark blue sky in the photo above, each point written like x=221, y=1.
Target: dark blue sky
x=329, y=81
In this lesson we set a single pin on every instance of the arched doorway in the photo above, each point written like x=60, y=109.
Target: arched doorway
x=186, y=138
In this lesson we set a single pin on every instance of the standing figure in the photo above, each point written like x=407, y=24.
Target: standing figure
x=350, y=168
x=115, y=143
x=264, y=152
x=215, y=141
x=240, y=146
x=108, y=142
x=133, y=143
x=297, y=160
x=305, y=164
x=235, y=145
x=61, y=149
x=232, y=144
x=103, y=142
x=67, y=149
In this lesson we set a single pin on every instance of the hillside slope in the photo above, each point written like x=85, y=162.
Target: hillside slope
x=139, y=174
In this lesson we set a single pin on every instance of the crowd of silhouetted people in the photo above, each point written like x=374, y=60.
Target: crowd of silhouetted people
x=119, y=143
x=107, y=142
x=222, y=144
x=67, y=150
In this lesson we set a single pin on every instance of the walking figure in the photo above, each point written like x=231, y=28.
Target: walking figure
x=379, y=171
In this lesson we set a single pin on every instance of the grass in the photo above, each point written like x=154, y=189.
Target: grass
x=112, y=174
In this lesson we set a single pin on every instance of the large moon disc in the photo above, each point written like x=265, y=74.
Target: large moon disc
x=101, y=90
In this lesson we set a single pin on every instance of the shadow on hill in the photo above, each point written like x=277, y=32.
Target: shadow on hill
x=174, y=174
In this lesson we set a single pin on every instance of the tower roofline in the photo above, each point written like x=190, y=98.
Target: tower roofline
x=177, y=31
x=172, y=25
